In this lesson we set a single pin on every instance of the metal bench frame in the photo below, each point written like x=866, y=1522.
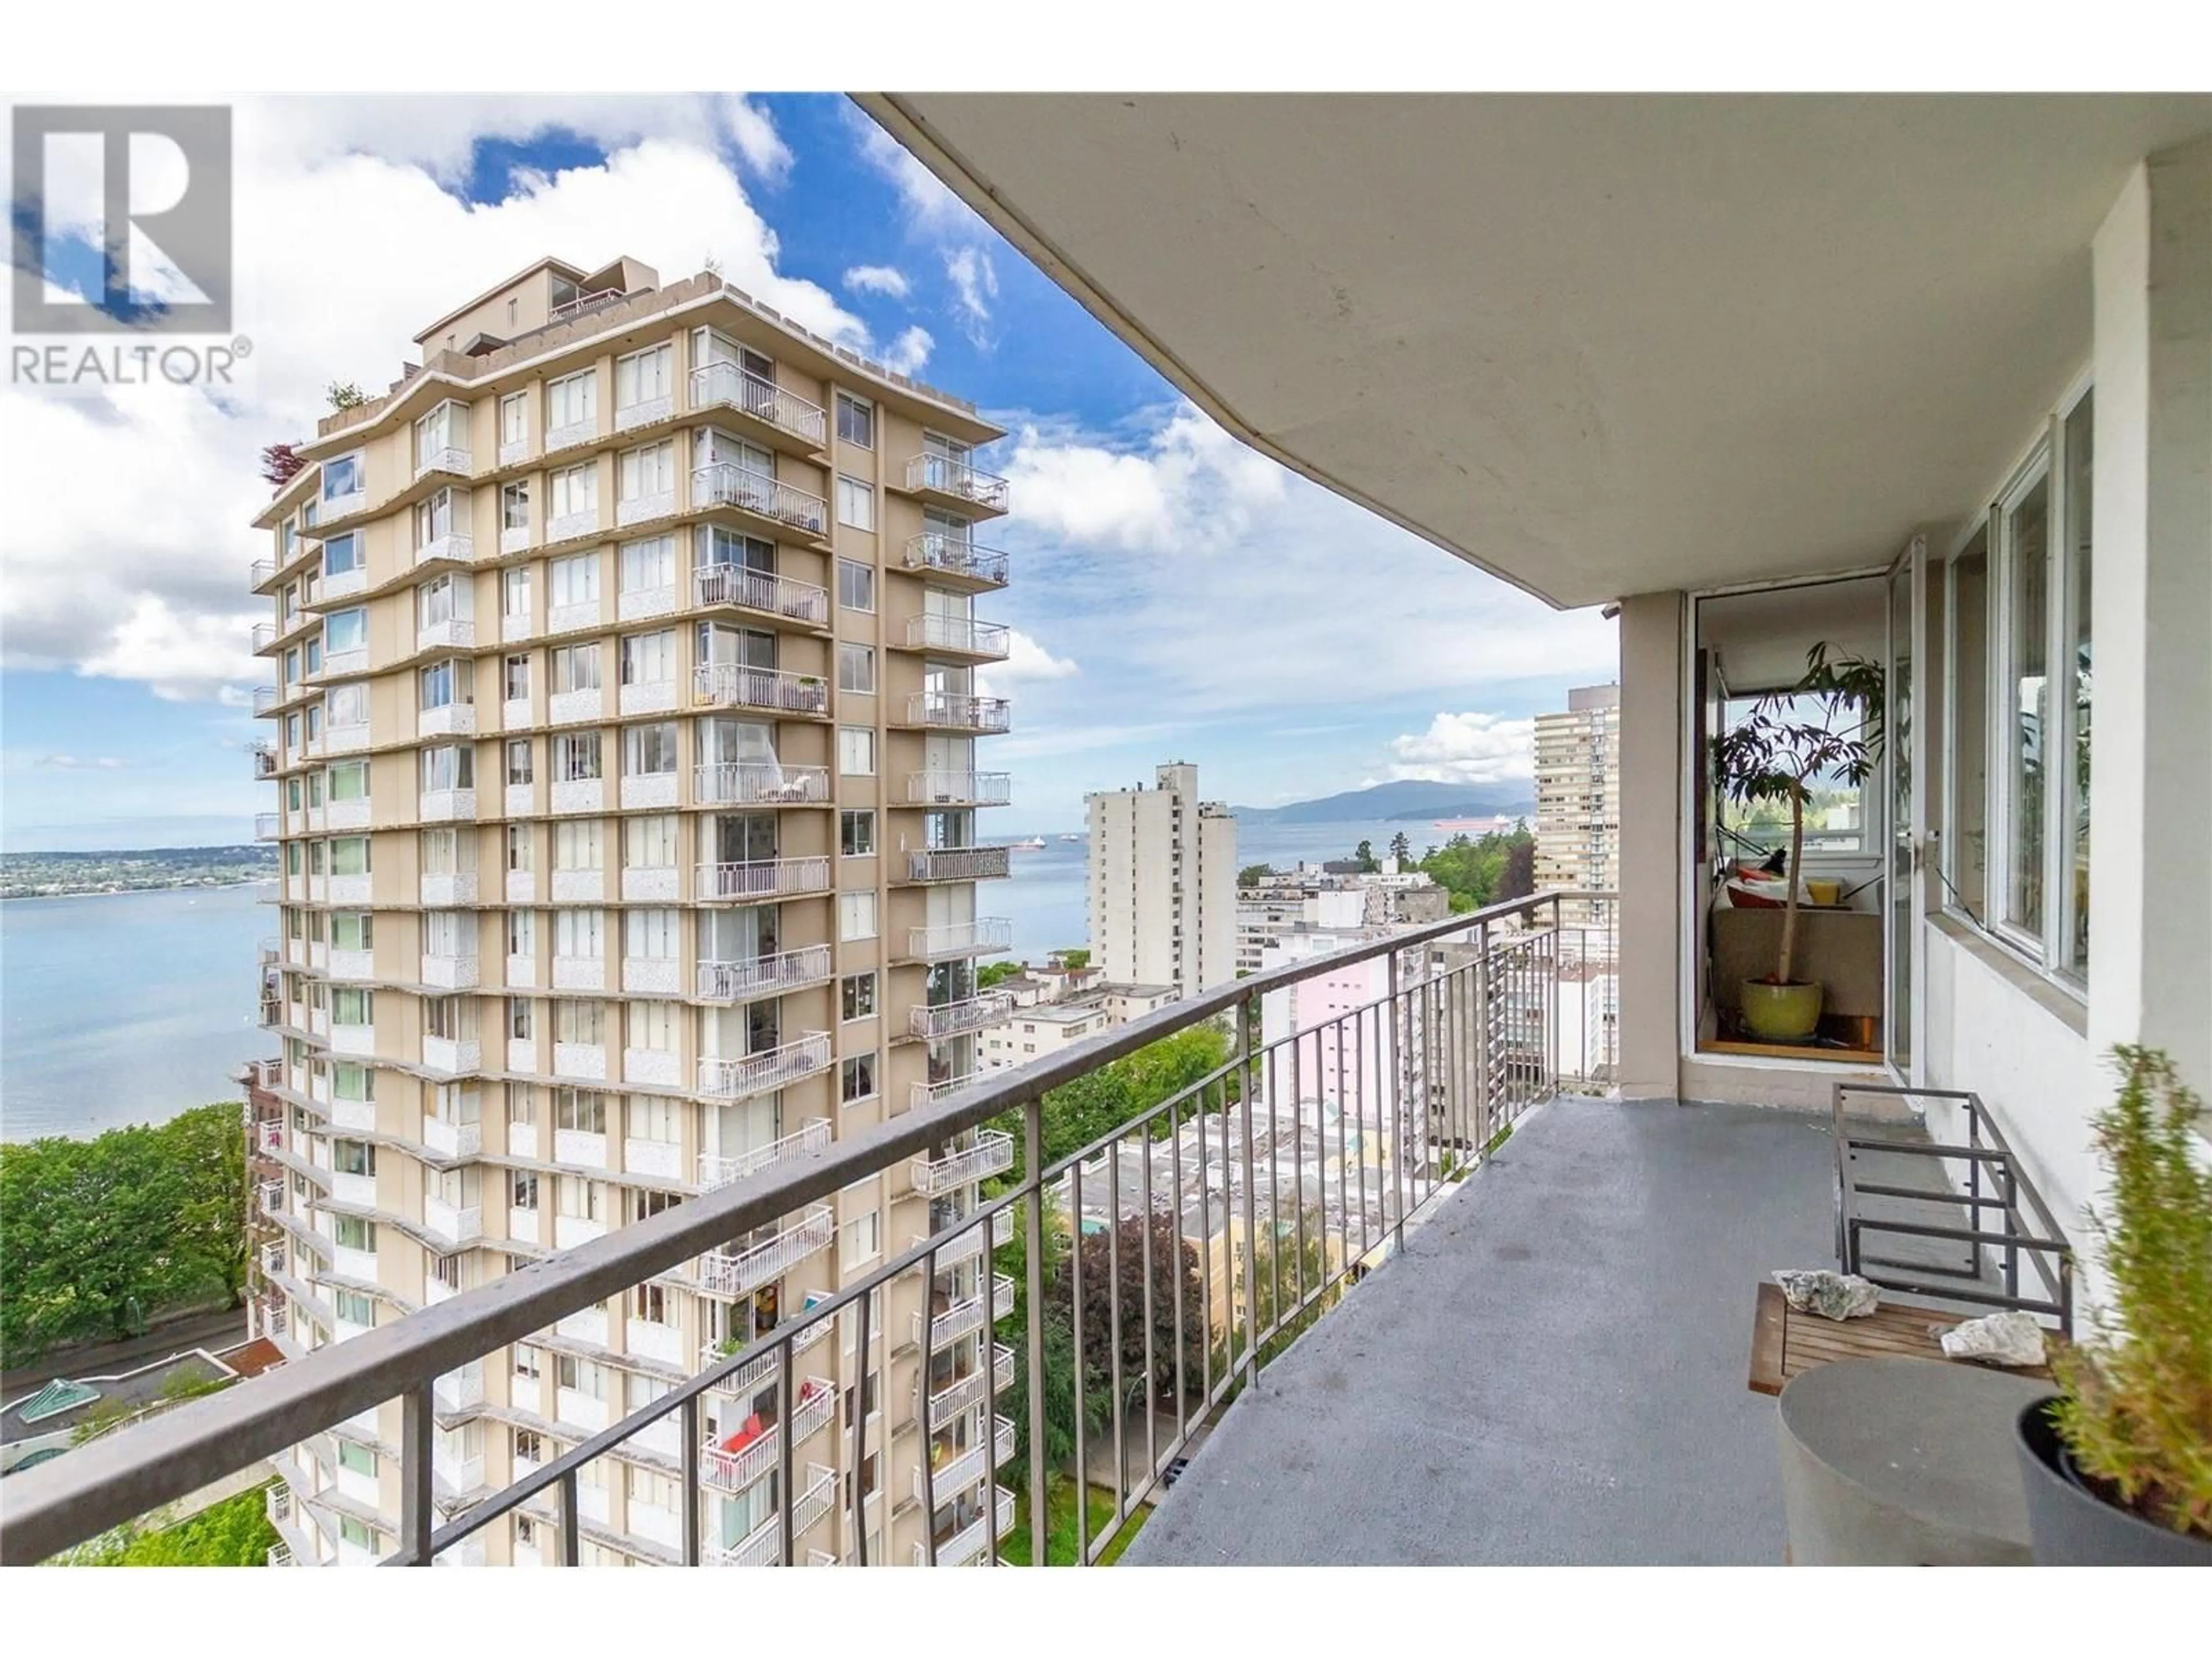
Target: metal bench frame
x=1995, y=1182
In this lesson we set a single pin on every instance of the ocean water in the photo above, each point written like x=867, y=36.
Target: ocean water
x=130, y=1007
x=126, y=1007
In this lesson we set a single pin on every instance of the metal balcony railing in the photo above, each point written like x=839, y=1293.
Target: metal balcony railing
x=720, y=1171
x=727, y=386
x=934, y=631
x=960, y=938
x=264, y=636
x=725, y=485
x=940, y=475
x=945, y=1019
x=771, y=1068
x=956, y=711
x=768, y=1544
x=750, y=1380
x=734, y=1270
x=964, y=1393
x=729, y=1468
x=753, y=881
x=759, y=783
x=958, y=863
x=1244, y=1168
x=992, y=1153
x=945, y=556
x=267, y=826
x=952, y=788
x=743, y=980
x=761, y=590
x=735, y=686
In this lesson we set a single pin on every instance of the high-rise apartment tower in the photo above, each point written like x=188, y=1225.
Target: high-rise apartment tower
x=1578, y=796
x=625, y=732
x=1164, y=885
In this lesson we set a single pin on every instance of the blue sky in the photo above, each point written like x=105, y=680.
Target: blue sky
x=1174, y=595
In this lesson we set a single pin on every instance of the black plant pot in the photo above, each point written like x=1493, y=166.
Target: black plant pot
x=2070, y=1526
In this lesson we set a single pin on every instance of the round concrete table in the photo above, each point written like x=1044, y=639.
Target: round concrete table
x=1904, y=1462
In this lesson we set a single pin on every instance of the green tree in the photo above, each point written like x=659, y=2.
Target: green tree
x=992, y=972
x=101, y=1235
x=1518, y=879
x=1401, y=849
x=209, y=1143
x=1103, y=1100
x=1253, y=874
x=1115, y=1264
x=1364, y=855
x=235, y=1532
x=1074, y=960
x=1286, y=1269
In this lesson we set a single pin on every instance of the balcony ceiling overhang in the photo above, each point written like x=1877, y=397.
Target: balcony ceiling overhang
x=1596, y=345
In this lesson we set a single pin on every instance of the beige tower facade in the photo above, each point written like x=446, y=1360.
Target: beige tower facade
x=1578, y=795
x=1164, y=885
x=625, y=737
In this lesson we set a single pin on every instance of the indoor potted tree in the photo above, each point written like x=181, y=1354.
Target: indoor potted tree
x=2118, y=1463
x=1828, y=725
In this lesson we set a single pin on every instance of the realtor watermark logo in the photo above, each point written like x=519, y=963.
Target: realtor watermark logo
x=121, y=216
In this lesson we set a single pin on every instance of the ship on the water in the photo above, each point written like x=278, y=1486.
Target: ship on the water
x=1034, y=844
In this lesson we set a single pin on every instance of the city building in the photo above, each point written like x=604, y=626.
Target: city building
x=1164, y=883
x=1330, y=898
x=1048, y=1008
x=624, y=727
x=1578, y=796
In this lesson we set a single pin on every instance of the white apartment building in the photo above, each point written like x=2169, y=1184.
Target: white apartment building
x=1048, y=1008
x=624, y=732
x=1320, y=897
x=1578, y=795
x=1164, y=883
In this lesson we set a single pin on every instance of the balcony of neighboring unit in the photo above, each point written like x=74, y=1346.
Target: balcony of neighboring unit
x=264, y=637
x=943, y=635
x=928, y=1094
x=747, y=589
x=719, y=1170
x=269, y=1197
x=450, y=1140
x=957, y=711
x=759, y=783
x=771, y=1068
x=452, y=973
x=735, y=686
x=264, y=760
x=756, y=881
x=749, y=978
x=763, y=1545
x=958, y=1471
x=786, y=506
x=942, y=480
x=784, y=419
x=748, y=1380
x=968, y=1243
x=440, y=444
x=945, y=1019
x=457, y=1222
x=266, y=826
x=964, y=1393
x=740, y=1269
x=972, y=1541
x=959, y=789
x=951, y=563
x=457, y=719
x=992, y=1153
x=263, y=698
x=260, y=574
x=958, y=864
x=950, y=1320
x=736, y=1461
x=947, y=940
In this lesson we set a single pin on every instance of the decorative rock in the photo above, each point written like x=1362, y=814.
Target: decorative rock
x=2011, y=1338
x=1831, y=1295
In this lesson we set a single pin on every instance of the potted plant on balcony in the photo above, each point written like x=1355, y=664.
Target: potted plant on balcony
x=1828, y=724
x=2117, y=1465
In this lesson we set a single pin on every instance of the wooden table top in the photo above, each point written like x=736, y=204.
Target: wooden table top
x=1784, y=1342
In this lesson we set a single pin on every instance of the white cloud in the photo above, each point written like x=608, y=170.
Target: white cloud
x=930, y=208
x=877, y=279
x=146, y=498
x=1470, y=748
x=975, y=289
x=1183, y=570
x=81, y=762
x=755, y=135
x=907, y=353
x=1026, y=660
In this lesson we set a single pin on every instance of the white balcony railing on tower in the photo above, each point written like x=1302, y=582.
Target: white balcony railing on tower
x=726, y=485
x=771, y=1068
x=747, y=978
x=942, y=475
x=961, y=938
x=719, y=1170
x=739, y=1268
x=752, y=881
x=956, y=711
x=933, y=630
x=761, y=590
x=946, y=555
x=957, y=863
x=992, y=1153
x=945, y=1019
x=727, y=386
x=760, y=783
x=738, y=685
x=959, y=789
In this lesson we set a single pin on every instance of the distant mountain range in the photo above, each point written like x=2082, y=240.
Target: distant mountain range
x=1403, y=802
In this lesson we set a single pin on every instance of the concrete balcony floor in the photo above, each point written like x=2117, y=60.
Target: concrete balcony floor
x=1554, y=1372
